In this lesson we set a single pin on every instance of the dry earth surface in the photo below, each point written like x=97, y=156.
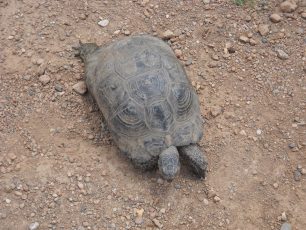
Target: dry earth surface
x=59, y=168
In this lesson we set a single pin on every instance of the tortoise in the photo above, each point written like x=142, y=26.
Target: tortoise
x=150, y=107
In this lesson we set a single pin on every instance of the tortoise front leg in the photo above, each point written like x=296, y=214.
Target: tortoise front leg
x=194, y=157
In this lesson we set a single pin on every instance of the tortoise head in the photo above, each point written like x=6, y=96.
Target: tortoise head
x=84, y=50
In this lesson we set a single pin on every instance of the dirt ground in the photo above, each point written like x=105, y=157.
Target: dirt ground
x=59, y=168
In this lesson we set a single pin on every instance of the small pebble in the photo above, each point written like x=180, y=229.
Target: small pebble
x=34, y=226
x=126, y=32
x=139, y=214
x=178, y=53
x=282, y=54
x=44, y=79
x=39, y=61
x=82, y=16
x=27, y=77
x=160, y=181
x=284, y=216
x=244, y=39
x=80, y=87
x=157, y=223
x=58, y=87
x=217, y=199
x=213, y=64
x=242, y=132
x=286, y=226
x=299, y=167
x=103, y=22
x=168, y=34
x=12, y=156
x=297, y=175
x=189, y=61
x=215, y=57
x=177, y=186
x=248, y=18
x=275, y=18
x=258, y=131
x=117, y=32
x=2, y=215
x=263, y=29
x=215, y=111
x=80, y=185
x=291, y=145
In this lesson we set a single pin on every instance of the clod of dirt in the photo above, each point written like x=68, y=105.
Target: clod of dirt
x=168, y=34
x=263, y=29
x=44, y=79
x=288, y=6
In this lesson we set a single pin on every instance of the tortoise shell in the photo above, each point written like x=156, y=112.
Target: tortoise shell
x=145, y=96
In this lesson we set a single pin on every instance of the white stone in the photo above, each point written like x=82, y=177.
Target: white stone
x=103, y=22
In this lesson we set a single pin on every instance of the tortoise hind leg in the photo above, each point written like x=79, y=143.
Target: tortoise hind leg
x=145, y=164
x=194, y=157
x=169, y=163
